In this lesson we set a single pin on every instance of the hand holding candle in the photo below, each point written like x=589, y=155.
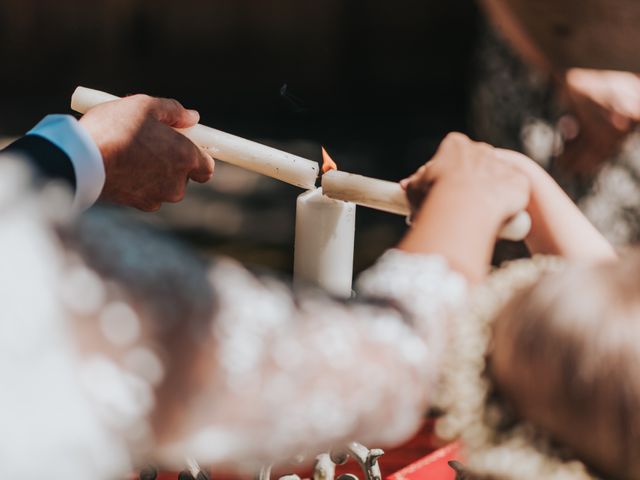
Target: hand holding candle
x=461, y=198
x=228, y=148
x=391, y=197
x=146, y=162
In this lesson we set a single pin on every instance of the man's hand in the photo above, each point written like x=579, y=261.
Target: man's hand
x=146, y=161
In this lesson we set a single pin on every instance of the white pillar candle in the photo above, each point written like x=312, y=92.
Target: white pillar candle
x=325, y=231
x=390, y=197
x=238, y=151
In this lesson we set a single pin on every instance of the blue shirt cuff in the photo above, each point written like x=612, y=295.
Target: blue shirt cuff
x=66, y=133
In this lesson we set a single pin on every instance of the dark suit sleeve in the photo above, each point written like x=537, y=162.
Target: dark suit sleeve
x=50, y=161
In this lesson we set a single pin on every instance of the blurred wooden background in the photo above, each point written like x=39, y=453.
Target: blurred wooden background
x=377, y=82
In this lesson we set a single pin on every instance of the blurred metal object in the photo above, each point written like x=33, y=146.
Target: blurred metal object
x=290, y=477
x=324, y=468
x=325, y=465
x=339, y=457
x=600, y=34
x=148, y=473
x=264, y=473
x=194, y=471
x=367, y=459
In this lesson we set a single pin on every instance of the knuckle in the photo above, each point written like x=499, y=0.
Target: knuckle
x=174, y=104
x=141, y=98
x=190, y=162
x=144, y=103
x=484, y=148
x=456, y=137
x=171, y=106
x=427, y=172
x=176, y=196
x=515, y=178
x=208, y=163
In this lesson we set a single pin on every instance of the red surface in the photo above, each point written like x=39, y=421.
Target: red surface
x=418, y=459
x=432, y=467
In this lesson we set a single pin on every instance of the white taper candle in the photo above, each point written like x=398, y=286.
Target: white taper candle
x=390, y=197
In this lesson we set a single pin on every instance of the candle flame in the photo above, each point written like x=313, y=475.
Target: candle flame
x=327, y=162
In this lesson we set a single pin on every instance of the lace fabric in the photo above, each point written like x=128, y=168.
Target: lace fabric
x=495, y=445
x=120, y=347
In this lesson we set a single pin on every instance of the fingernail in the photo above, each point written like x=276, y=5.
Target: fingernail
x=404, y=182
x=194, y=115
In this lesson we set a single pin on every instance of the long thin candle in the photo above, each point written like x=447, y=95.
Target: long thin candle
x=390, y=197
x=366, y=191
x=238, y=151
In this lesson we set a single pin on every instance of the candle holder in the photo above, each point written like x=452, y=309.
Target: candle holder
x=324, y=467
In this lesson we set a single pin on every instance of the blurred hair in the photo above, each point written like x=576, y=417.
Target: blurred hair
x=566, y=354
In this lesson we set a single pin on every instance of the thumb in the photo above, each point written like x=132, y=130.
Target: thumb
x=172, y=113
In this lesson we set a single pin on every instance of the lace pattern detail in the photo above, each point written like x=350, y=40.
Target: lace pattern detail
x=119, y=346
x=306, y=373
x=521, y=452
x=50, y=425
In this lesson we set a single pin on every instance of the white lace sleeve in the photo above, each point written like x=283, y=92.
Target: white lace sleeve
x=294, y=375
x=49, y=426
x=119, y=348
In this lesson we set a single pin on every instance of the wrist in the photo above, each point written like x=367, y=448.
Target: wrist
x=93, y=131
x=472, y=200
x=459, y=223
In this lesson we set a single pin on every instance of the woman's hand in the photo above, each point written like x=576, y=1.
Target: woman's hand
x=606, y=105
x=467, y=166
x=558, y=226
x=461, y=199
